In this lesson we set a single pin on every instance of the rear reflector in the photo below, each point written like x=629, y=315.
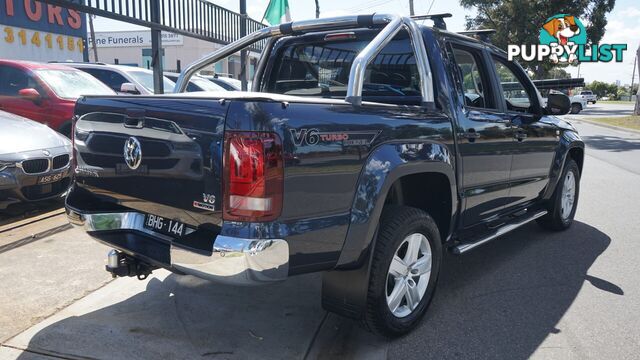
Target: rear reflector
x=253, y=176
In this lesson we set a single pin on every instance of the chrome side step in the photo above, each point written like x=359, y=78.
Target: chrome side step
x=463, y=248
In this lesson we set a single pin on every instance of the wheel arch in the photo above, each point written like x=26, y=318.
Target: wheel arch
x=428, y=191
x=391, y=168
x=576, y=153
x=571, y=146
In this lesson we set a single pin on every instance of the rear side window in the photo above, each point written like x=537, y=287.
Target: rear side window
x=111, y=78
x=515, y=93
x=474, y=78
x=321, y=69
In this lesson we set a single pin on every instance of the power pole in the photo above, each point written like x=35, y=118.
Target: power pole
x=243, y=53
x=633, y=74
x=93, y=39
x=411, y=11
x=317, y=9
x=636, y=111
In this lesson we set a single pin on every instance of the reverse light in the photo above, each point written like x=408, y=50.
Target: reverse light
x=253, y=176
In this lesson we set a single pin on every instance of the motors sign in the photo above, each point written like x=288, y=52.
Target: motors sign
x=134, y=38
x=32, y=30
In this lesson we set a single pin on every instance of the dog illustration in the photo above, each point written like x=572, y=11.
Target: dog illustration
x=562, y=29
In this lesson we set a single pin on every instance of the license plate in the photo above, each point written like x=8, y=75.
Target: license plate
x=123, y=169
x=164, y=226
x=47, y=179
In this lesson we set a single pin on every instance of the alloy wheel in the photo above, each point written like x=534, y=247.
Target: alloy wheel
x=568, y=195
x=408, y=275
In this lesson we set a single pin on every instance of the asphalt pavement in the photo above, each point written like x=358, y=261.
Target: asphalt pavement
x=529, y=294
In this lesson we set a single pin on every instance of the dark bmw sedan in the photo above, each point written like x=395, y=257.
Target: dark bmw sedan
x=34, y=161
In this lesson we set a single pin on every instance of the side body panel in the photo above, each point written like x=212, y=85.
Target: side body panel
x=532, y=158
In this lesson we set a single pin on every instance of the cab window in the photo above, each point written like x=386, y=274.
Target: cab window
x=321, y=69
x=13, y=80
x=473, y=78
x=515, y=94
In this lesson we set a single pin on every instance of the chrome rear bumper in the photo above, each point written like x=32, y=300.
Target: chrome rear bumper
x=233, y=260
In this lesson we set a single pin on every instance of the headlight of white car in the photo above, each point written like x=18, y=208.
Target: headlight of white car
x=6, y=164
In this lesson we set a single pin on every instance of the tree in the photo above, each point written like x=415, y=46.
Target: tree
x=603, y=89
x=519, y=21
x=558, y=73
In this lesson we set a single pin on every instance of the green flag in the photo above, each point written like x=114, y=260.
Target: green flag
x=277, y=12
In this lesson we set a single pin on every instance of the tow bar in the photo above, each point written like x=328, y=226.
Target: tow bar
x=121, y=264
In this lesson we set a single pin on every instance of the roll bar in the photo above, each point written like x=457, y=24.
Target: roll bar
x=393, y=24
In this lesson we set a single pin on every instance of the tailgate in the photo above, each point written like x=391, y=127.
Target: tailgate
x=158, y=155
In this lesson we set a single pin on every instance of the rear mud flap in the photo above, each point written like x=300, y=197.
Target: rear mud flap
x=344, y=291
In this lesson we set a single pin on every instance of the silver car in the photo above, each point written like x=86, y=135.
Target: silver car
x=34, y=161
x=123, y=79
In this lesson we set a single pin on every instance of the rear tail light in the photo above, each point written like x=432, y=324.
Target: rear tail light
x=253, y=173
x=340, y=36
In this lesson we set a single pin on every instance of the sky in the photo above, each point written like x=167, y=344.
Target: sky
x=623, y=25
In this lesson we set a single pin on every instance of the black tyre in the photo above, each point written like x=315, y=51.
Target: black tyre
x=563, y=203
x=576, y=108
x=404, y=270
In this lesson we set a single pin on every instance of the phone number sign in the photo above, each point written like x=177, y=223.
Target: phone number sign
x=32, y=30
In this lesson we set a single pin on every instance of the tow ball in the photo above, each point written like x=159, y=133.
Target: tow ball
x=121, y=264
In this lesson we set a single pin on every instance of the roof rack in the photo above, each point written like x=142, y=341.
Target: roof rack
x=480, y=34
x=438, y=19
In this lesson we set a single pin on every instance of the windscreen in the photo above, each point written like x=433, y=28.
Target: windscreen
x=321, y=69
x=71, y=84
x=146, y=79
x=201, y=84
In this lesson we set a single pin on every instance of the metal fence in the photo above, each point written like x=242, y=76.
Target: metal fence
x=195, y=18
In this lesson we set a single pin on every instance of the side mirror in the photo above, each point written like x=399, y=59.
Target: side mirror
x=129, y=88
x=558, y=104
x=30, y=94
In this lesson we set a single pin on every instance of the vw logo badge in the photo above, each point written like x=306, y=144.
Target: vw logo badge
x=132, y=153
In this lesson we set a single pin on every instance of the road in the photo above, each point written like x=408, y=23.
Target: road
x=604, y=109
x=530, y=294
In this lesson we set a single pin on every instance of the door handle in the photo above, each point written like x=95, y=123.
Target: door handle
x=471, y=135
x=520, y=135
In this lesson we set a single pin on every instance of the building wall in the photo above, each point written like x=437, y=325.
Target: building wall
x=190, y=50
